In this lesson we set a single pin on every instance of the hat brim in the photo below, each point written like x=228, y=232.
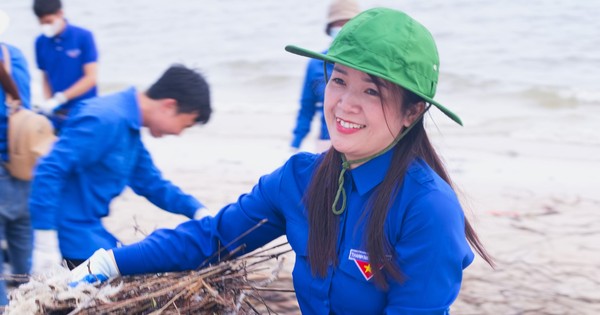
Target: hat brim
x=317, y=55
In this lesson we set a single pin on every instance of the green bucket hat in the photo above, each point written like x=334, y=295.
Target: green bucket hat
x=391, y=45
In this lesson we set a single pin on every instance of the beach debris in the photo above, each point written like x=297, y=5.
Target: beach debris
x=232, y=286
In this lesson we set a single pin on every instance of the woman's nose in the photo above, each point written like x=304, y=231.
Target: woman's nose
x=347, y=102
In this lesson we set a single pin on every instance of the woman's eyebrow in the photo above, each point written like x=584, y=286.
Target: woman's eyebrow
x=335, y=68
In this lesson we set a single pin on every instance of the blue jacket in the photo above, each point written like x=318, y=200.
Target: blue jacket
x=425, y=226
x=311, y=102
x=20, y=75
x=99, y=153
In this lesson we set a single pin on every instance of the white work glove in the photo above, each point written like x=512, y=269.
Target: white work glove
x=46, y=253
x=201, y=213
x=48, y=107
x=100, y=267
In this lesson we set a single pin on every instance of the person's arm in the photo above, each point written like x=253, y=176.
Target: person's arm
x=308, y=101
x=85, y=83
x=146, y=180
x=46, y=89
x=193, y=244
x=432, y=251
x=89, y=57
x=80, y=145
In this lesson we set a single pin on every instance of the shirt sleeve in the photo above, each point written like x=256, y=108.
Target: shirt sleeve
x=193, y=242
x=146, y=180
x=38, y=54
x=82, y=143
x=90, y=54
x=432, y=253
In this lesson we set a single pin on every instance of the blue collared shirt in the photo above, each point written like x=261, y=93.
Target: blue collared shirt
x=99, y=153
x=425, y=226
x=20, y=75
x=63, y=56
x=311, y=101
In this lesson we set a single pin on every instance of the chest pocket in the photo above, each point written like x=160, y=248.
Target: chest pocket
x=355, y=263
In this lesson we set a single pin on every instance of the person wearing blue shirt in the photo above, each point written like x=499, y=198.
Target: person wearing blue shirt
x=99, y=153
x=15, y=222
x=311, y=99
x=67, y=56
x=374, y=221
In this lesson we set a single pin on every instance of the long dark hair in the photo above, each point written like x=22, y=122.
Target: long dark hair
x=324, y=225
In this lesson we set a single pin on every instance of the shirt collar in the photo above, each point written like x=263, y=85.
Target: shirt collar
x=372, y=173
x=66, y=32
x=132, y=109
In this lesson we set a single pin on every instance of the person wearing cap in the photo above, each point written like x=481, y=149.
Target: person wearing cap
x=311, y=99
x=374, y=222
x=99, y=153
x=15, y=222
x=67, y=56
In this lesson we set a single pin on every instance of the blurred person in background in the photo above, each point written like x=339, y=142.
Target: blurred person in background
x=67, y=56
x=311, y=99
x=15, y=222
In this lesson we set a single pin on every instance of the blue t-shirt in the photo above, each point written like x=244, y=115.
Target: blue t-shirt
x=425, y=226
x=20, y=75
x=98, y=154
x=63, y=56
x=311, y=101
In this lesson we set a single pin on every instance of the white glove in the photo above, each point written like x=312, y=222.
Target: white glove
x=46, y=254
x=201, y=213
x=99, y=267
x=48, y=107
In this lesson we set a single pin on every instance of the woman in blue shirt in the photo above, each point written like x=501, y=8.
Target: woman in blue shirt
x=374, y=221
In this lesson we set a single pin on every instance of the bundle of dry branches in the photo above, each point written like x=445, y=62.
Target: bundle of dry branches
x=231, y=286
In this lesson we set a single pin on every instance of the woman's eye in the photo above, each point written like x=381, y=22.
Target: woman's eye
x=337, y=81
x=372, y=92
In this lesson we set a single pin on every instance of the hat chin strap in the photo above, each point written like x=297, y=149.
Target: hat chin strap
x=341, y=192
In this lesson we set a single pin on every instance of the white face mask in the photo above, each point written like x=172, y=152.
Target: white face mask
x=51, y=30
x=334, y=30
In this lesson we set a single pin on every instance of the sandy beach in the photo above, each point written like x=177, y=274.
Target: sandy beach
x=532, y=199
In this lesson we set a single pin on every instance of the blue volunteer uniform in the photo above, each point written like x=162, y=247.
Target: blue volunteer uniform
x=311, y=101
x=99, y=152
x=63, y=56
x=20, y=74
x=425, y=226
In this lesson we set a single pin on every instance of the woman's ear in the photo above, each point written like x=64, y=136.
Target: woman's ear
x=413, y=113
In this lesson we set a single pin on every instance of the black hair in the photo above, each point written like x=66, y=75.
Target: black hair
x=45, y=7
x=188, y=87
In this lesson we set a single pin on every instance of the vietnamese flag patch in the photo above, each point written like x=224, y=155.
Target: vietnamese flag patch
x=362, y=262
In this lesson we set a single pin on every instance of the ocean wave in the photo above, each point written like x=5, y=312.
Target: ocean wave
x=544, y=95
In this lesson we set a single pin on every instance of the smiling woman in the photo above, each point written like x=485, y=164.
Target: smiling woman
x=374, y=218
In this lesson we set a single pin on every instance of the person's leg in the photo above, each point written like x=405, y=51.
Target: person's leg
x=3, y=293
x=19, y=237
x=19, y=234
x=5, y=200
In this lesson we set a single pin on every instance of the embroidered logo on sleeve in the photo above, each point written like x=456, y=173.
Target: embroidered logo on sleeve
x=73, y=53
x=362, y=262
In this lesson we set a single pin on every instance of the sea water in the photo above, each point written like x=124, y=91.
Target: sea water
x=536, y=57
